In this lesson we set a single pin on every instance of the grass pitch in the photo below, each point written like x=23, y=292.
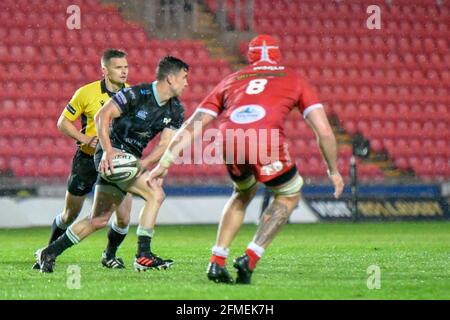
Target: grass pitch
x=317, y=261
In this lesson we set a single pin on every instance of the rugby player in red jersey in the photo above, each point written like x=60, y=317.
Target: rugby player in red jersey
x=258, y=97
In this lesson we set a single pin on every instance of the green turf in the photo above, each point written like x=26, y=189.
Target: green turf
x=317, y=261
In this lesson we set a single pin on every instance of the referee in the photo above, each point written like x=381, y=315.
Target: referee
x=84, y=104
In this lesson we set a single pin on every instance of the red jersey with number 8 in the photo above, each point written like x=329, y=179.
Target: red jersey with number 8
x=255, y=101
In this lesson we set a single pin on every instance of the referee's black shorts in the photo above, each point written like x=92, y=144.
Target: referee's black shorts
x=83, y=175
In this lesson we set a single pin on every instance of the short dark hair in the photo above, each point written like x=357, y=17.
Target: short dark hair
x=112, y=53
x=170, y=65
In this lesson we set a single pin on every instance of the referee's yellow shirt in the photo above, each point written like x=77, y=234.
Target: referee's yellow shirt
x=85, y=103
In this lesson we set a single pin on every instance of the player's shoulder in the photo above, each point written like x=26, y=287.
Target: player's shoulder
x=295, y=75
x=90, y=87
x=302, y=79
x=288, y=70
x=143, y=88
x=295, y=72
x=142, y=85
x=229, y=79
x=138, y=91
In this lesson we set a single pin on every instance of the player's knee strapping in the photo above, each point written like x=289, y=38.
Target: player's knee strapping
x=245, y=184
x=290, y=189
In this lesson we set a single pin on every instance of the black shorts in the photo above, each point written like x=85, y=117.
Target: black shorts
x=278, y=180
x=83, y=175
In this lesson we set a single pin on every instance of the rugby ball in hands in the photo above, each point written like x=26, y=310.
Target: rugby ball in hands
x=126, y=166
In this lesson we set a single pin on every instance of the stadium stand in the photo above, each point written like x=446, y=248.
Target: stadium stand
x=390, y=85
x=42, y=63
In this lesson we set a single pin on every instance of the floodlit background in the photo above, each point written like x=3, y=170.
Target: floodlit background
x=381, y=69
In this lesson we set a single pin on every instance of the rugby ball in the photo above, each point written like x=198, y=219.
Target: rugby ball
x=126, y=166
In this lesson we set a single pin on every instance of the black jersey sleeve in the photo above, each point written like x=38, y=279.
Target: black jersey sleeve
x=177, y=116
x=127, y=98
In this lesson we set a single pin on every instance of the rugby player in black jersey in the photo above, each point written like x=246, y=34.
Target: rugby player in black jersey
x=84, y=104
x=138, y=114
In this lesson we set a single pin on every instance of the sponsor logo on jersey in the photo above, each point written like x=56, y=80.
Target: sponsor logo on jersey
x=142, y=114
x=145, y=92
x=272, y=168
x=102, y=102
x=133, y=142
x=167, y=121
x=248, y=114
x=261, y=74
x=71, y=109
x=144, y=134
x=274, y=68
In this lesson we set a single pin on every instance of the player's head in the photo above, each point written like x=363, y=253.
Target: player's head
x=115, y=66
x=173, y=72
x=263, y=48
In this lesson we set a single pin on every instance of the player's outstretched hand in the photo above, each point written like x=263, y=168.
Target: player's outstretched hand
x=156, y=186
x=156, y=175
x=338, y=183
